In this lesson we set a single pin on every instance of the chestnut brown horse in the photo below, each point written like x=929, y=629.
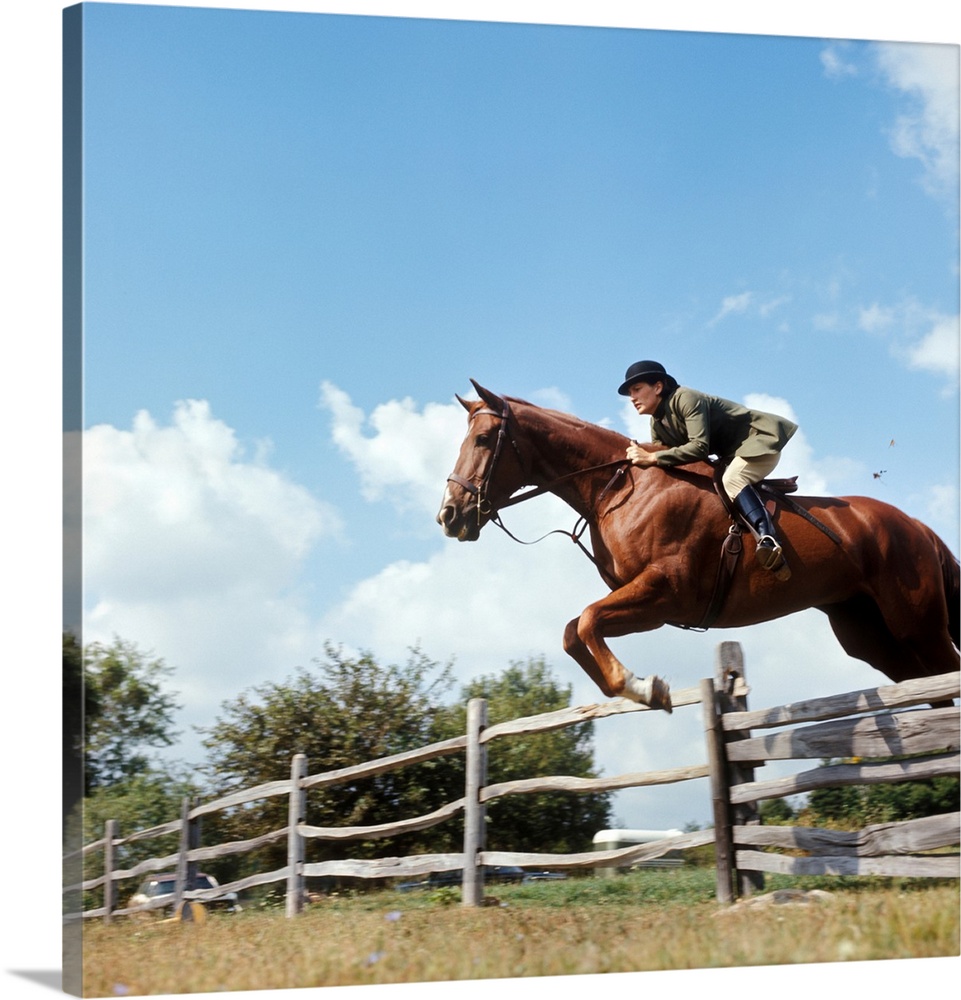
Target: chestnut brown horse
x=888, y=583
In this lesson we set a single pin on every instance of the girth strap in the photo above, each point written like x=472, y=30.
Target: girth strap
x=731, y=549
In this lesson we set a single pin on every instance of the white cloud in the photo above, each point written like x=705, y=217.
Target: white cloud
x=938, y=349
x=553, y=398
x=797, y=458
x=399, y=453
x=733, y=304
x=927, y=128
x=765, y=309
x=939, y=505
x=836, y=66
x=875, y=318
x=744, y=302
x=182, y=500
x=194, y=551
x=923, y=338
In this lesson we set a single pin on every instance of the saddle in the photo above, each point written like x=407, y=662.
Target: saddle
x=773, y=489
x=779, y=485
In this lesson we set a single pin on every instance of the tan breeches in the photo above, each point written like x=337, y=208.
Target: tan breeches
x=746, y=471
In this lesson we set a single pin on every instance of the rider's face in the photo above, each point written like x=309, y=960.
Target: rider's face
x=646, y=397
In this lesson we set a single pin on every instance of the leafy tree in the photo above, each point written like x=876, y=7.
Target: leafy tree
x=126, y=710
x=343, y=712
x=348, y=710
x=776, y=811
x=72, y=721
x=562, y=822
x=856, y=806
x=912, y=799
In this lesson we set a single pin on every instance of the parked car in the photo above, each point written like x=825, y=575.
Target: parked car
x=161, y=887
x=492, y=874
x=542, y=876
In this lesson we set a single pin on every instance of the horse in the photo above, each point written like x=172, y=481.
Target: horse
x=661, y=538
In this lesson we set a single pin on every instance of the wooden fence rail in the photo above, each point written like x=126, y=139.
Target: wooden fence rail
x=878, y=723
x=885, y=724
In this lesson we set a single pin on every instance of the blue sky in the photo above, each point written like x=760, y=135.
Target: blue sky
x=320, y=245
x=305, y=233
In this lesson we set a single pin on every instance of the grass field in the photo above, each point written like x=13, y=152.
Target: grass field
x=646, y=920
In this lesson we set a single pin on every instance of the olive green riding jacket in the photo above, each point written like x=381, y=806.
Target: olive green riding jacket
x=695, y=425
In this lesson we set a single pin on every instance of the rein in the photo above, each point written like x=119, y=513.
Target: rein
x=484, y=506
x=582, y=523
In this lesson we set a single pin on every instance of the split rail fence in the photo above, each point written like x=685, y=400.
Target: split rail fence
x=903, y=741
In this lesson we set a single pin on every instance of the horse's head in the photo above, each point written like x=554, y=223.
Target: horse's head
x=488, y=470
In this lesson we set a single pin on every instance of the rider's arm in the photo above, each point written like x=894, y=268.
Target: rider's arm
x=686, y=428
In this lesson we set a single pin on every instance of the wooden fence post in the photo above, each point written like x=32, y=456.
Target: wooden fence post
x=723, y=844
x=732, y=689
x=472, y=889
x=180, y=884
x=296, y=814
x=109, y=886
x=193, y=842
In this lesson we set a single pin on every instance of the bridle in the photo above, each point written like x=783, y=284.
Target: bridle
x=484, y=506
x=503, y=434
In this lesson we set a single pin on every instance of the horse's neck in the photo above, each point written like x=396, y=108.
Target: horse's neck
x=563, y=446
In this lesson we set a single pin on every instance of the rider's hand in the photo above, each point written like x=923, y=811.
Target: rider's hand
x=640, y=456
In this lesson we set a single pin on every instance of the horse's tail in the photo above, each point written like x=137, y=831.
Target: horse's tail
x=951, y=574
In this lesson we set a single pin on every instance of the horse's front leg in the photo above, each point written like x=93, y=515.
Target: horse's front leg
x=625, y=611
x=574, y=646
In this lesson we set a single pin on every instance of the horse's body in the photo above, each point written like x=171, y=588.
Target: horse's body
x=887, y=582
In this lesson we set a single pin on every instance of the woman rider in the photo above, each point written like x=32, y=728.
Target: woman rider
x=694, y=425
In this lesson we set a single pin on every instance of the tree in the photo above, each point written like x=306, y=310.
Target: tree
x=126, y=711
x=562, y=822
x=72, y=722
x=855, y=806
x=776, y=811
x=344, y=711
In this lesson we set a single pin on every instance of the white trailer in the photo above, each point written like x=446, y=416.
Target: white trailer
x=612, y=840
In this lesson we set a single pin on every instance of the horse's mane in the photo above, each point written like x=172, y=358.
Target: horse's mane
x=572, y=420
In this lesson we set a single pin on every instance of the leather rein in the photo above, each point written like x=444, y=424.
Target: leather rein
x=484, y=506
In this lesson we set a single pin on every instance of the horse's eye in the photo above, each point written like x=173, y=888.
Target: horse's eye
x=483, y=440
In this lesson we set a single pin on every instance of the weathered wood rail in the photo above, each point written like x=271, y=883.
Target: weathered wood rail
x=906, y=741
x=478, y=794
x=879, y=723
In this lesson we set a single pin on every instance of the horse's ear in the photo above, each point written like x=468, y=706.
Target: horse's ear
x=490, y=398
x=463, y=402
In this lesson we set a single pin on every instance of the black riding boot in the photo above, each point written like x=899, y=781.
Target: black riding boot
x=769, y=553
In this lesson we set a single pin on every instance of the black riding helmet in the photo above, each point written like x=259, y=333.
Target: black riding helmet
x=646, y=371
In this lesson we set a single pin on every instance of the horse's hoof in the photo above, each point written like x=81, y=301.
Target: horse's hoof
x=660, y=696
x=650, y=691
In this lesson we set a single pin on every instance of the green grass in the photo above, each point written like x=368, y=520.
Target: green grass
x=645, y=920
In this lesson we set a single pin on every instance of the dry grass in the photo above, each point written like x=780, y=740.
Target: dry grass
x=547, y=930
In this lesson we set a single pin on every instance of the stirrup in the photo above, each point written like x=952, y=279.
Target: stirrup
x=771, y=557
